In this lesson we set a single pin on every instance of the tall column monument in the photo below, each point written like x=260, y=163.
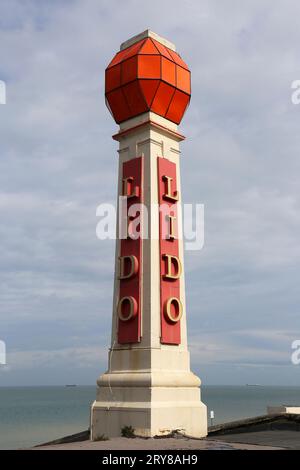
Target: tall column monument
x=148, y=384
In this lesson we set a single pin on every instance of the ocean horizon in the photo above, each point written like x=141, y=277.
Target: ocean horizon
x=33, y=415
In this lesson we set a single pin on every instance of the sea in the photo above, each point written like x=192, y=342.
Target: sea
x=33, y=415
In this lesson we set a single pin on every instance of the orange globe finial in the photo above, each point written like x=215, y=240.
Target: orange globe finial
x=147, y=75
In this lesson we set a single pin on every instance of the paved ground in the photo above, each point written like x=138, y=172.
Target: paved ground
x=122, y=443
x=284, y=438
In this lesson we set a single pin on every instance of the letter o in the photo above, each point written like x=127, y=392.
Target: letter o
x=133, y=308
x=178, y=306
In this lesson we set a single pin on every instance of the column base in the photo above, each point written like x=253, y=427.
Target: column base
x=150, y=410
x=190, y=419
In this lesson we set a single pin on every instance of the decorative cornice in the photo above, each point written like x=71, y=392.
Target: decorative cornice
x=150, y=123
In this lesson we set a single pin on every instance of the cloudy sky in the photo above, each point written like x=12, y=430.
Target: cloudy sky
x=58, y=162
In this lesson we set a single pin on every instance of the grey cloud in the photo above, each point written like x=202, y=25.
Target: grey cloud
x=58, y=163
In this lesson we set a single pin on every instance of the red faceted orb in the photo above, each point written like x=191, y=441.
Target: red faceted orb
x=147, y=76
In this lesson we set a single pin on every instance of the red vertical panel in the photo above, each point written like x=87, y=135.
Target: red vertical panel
x=130, y=331
x=170, y=331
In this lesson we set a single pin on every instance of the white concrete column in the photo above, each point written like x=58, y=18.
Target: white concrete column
x=149, y=385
